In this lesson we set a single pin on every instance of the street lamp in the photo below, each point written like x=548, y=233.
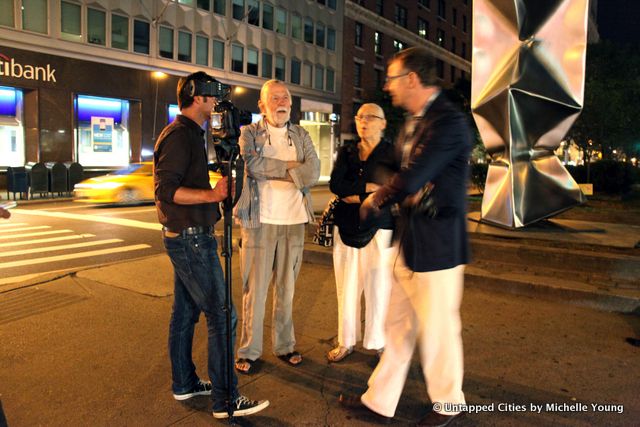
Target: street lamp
x=157, y=75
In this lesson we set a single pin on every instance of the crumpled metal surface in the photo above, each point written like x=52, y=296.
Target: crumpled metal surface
x=527, y=90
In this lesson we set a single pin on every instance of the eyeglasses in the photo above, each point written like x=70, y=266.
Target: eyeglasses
x=387, y=79
x=367, y=118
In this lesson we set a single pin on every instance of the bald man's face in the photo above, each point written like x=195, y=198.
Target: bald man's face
x=276, y=105
x=370, y=123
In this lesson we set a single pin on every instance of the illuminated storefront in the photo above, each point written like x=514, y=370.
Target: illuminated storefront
x=11, y=127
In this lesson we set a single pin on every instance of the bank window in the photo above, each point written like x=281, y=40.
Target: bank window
x=102, y=134
x=280, y=67
x=119, y=32
x=320, y=34
x=267, y=16
x=295, y=71
x=34, y=15
x=70, y=21
x=237, y=58
x=166, y=42
x=331, y=76
x=331, y=39
x=267, y=65
x=296, y=27
x=281, y=21
x=218, y=54
x=252, y=61
x=237, y=7
x=11, y=127
x=377, y=43
x=219, y=6
x=319, y=81
x=308, y=30
x=254, y=12
x=6, y=13
x=96, y=26
x=307, y=71
x=202, y=50
x=184, y=46
x=141, y=36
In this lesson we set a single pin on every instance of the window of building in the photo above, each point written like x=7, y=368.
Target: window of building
x=358, y=34
x=357, y=74
x=331, y=39
x=141, y=36
x=218, y=54
x=319, y=81
x=400, y=15
x=464, y=23
x=237, y=7
x=379, y=79
x=398, y=45
x=267, y=65
x=425, y=3
x=440, y=37
x=320, y=34
x=96, y=27
x=119, y=32
x=356, y=107
x=463, y=50
x=35, y=16
x=237, y=58
x=442, y=9
x=281, y=21
x=204, y=4
x=184, y=46
x=454, y=16
x=295, y=71
x=70, y=21
x=331, y=4
x=377, y=43
x=322, y=2
x=187, y=2
x=252, y=61
x=296, y=26
x=254, y=12
x=219, y=7
x=308, y=30
x=280, y=67
x=166, y=42
x=307, y=71
x=331, y=77
x=453, y=44
x=12, y=133
x=202, y=51
x=267, y=16
x=452, y=76
x=423, y=28
x=440, y=68
x=380, y=7
x=6, y=13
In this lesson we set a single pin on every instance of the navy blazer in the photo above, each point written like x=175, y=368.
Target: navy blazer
x=439, y=155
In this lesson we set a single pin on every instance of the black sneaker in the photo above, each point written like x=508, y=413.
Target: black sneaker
x=242, y=406
x=201, y=388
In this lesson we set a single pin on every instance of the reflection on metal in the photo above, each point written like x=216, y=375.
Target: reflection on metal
x=527, y=90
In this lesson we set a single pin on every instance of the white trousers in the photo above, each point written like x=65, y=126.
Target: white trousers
x=362, y=270
x=423, y=307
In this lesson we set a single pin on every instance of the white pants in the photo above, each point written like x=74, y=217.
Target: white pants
x=357, y=270
x=423, y=307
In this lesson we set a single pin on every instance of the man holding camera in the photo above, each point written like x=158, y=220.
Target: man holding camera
x=187, y=208
x=430, y=242
x=280, y=166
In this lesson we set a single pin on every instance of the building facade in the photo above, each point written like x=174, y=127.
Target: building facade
x=375, y=29
x=95, y=81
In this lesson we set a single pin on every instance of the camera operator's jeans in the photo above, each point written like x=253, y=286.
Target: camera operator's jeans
x=199, y=287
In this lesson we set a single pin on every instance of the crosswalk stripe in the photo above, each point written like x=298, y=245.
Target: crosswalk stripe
x=59, y=247
x=47, y=240
x=12, y=224
x=40, y=233
x=72, y=256
x=11, y=230
x=95, y=218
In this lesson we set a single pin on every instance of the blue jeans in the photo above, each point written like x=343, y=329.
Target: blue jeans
x=199, y=287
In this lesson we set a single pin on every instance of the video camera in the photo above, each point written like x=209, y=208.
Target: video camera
x=225, y=124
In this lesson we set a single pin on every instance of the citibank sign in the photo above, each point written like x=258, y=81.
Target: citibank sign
x=10, y=68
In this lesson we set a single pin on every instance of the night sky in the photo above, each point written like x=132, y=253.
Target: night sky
x=619, y=21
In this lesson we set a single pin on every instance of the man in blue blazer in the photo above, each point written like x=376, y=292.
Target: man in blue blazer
x=431, y=244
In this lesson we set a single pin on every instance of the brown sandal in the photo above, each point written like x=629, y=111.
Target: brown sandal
x=339, y=353
x=294, y=358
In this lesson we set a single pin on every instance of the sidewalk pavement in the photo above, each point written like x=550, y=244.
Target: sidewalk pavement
x=90, y=349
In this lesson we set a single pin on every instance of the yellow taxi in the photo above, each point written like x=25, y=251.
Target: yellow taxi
x=132, y=184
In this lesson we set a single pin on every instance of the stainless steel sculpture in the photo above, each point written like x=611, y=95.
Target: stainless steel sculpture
x=527, y=90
